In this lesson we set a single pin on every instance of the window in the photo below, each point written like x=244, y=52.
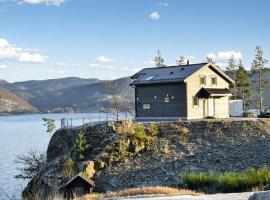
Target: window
x=167, y=99
x=202, y=80
x=146, y=106
x=213, y=80
x=195, y=101
x=148, y=78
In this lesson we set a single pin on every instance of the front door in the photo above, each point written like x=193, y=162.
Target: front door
x=211, y=108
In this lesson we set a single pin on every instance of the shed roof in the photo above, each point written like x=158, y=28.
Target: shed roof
x=83, y=177
x=165, y=74
x=172, y=74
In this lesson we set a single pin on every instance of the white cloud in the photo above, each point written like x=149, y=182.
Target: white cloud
x=104, y=59
x=63, y=64
x=11, y=52
x=225, y=55
x=163, y=4
x=53, y=71
x=154, y=16
x=3, y=66
x=149, y=62
x=94, y=65
x=47, y=2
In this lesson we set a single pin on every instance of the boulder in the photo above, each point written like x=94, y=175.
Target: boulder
x=260, y=196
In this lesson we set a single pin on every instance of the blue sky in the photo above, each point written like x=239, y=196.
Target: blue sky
x=106, y=39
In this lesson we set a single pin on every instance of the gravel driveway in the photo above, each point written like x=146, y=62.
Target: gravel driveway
x=231, y=196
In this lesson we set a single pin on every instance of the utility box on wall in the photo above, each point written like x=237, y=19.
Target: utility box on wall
x=236, y=108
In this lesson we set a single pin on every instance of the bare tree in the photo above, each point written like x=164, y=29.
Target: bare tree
x=117, y=101
x=30, y=164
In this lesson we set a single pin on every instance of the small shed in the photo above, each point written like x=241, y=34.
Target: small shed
x=78, y=186
x=236, y=108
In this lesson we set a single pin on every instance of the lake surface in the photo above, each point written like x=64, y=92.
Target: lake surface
x=21, y=133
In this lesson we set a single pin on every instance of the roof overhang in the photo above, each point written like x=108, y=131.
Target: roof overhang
x=213, y=92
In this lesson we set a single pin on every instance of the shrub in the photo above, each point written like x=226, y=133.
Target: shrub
x=139, y=132
x=154, y=129
x=68, y=169
x=125, y=126
x=81, y=145
x=228, y=181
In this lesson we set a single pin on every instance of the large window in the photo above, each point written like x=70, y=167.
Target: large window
x=195, y=101
x=213, y=80
x=203, y=80
x=146, y=106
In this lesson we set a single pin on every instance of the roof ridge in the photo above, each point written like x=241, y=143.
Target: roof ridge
x=176, y=66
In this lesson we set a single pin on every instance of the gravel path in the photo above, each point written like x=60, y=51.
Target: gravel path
x=231, y=196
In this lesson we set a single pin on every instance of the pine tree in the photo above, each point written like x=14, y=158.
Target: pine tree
x=159, y=60
x=259, y=80
x=232, y=68
x=181, y=60
x=242, y=86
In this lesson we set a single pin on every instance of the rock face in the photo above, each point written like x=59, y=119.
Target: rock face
x=120, y=161
x=10, y=103
x=260, y=196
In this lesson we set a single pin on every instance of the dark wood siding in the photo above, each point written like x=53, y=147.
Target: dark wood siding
x=176, y=107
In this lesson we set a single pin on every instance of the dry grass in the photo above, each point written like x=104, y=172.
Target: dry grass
x=141, y=191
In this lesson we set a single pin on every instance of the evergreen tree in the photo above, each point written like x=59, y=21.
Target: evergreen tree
x=259, y=80
x=181, y=60
x=159, y=60
x=242, y=86
x=232, y=68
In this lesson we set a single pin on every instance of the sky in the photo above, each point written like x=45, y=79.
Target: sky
x=106, y=39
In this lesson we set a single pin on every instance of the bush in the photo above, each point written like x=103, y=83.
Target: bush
x=154, y=129
x=81, y=145
x=68, y=169
x=125, y=127
x=228, y=181
x=139, y=132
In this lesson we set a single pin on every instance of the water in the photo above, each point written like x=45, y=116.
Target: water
x=21, y=133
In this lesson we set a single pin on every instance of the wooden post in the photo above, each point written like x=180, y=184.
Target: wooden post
x=71, y=122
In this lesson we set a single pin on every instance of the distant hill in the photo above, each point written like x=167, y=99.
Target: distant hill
x=3, y=82
x=86, y=98
x=72, y=94
x=35, y=88
x=10, y=103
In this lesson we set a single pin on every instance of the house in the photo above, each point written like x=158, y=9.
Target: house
x=191, y=91
x=78, y=186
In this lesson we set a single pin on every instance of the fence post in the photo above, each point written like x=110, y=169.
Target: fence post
x=71, y=122
x=83, y=120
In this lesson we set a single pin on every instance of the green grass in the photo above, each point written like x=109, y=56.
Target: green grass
x=227, y=181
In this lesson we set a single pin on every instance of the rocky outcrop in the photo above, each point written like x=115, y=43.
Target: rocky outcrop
x=120, y=161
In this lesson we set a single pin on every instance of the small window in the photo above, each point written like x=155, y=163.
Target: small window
x=148, y=78
x=213, y=80
x=195, y=101
x=203, y=80
x=146, y=106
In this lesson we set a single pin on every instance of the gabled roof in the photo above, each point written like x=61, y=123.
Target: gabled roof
x=213, y=92
x=81, y=176
x=171, y=74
